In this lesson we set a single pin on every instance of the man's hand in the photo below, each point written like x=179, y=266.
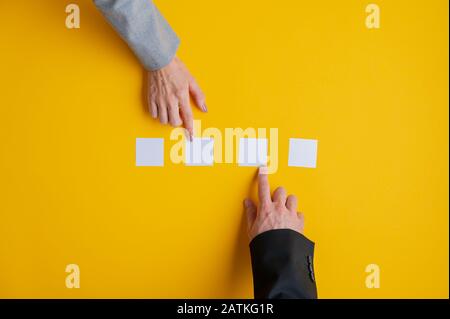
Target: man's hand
x=276, y=212
x=168, y=95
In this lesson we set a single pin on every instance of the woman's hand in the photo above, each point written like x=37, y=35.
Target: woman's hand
x=168, y=95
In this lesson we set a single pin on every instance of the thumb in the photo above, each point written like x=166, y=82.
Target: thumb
x=197, y=95
x=250, y=212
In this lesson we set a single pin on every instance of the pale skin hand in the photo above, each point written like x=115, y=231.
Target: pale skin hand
x=274, y=212
x=168, y=95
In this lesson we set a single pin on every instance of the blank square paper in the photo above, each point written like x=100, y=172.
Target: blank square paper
x=302, y=153
x=149, y=152
x=252, y=151
x=199, y=152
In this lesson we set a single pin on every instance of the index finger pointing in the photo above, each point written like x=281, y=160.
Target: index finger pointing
x=186, y=115
x=263, y=186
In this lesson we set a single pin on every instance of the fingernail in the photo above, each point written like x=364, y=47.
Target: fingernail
x=204, y=107
x=188, y=135
x=246, y=203
x=263, y=170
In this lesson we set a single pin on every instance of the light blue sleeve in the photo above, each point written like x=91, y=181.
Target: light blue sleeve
x=144, y=29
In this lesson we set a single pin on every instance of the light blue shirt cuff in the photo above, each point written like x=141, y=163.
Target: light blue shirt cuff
x=144, y=29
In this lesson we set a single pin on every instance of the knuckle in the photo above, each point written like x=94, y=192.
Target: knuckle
x=168, y=103
x=279, y=206
x=173, y=108
x=265, y=206
x=180, y=91
x=186, y=111
x=192, y=80
x=200, y=97
x=160, y=103
x=280, y=189
x=175, y=122
x=163, y=119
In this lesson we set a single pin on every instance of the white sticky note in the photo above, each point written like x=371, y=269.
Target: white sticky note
x=199, y=152
x=149, y=152
x=252, y=151
x=302, y=152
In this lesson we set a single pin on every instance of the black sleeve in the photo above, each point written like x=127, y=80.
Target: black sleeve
x=282, y=264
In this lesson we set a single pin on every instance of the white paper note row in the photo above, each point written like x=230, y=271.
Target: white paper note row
x=251, y=152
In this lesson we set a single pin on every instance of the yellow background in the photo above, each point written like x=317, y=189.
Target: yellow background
x=72, y=106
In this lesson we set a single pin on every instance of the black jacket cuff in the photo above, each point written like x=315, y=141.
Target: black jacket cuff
x=283, y=265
